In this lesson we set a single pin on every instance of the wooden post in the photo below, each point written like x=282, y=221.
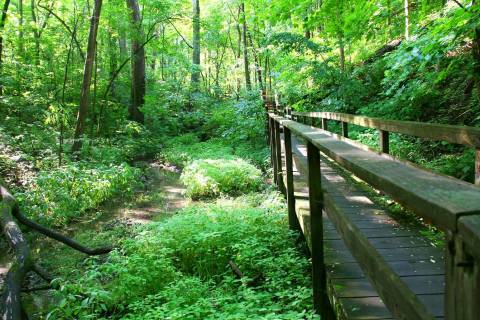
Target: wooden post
x=477, y=166
x=278, y=157
x=384, y=141
x=345, y=129
x=292, y=216
x=324, y=124
x=273, y=150
x=289, y=113
x=462, y=275
x=312, y=121
x=319, y=279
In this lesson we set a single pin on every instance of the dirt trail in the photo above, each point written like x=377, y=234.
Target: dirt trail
x=161, y=198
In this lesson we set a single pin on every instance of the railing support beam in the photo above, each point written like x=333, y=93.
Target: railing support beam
x=273, y=150
x=477, y=166
x=319, y=276
x=278, y=157
x=292, y=216
x=345, y=129
x=384, y=141
x=325, y=124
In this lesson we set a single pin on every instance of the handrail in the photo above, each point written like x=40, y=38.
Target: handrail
x=448, y=203
x=468, y=136
x=463, y=135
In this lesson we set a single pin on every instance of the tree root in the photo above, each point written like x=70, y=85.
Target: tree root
x=10, y=299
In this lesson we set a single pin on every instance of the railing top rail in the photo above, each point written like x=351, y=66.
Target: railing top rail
x=437, y=198
x=464, y=135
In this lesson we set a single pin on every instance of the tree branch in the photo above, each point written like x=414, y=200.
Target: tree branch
x=178, y=32
x=69, y=30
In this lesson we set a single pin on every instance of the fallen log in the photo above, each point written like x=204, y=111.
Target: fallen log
x=10, y=299
x=10, y=303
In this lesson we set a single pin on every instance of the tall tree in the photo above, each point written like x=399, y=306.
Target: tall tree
x=407, y=20
x=38, y=28
x=20, y=27
x=242, y=15
x=196, y=44
x=2, y=26
x=87, y=76
x=138, y=64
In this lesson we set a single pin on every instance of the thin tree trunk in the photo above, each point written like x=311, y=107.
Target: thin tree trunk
x=407, y=22
x=196, y=44
x=20, y=27
x=2, y=26
x=239, y=54
x=341, y=47
x=258, y=68
x=138, y=65
x=122, y=44
x=248, y=82
x=87, y=77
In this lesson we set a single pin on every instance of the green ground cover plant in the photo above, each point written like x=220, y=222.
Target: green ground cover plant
x=179, y=268
x=68, y=192
x=211, y=178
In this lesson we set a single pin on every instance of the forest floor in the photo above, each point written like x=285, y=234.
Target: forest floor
x=161, y=197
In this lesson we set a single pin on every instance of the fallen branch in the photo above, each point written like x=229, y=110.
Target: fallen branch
x=236, y=269
x=10, y=299
x=58, y=236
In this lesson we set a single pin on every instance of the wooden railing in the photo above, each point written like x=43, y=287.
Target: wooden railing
x=447, y=203
x=463, y=135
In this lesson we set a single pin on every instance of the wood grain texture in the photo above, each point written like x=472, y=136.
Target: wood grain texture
x=469, y=136
x=437, y=198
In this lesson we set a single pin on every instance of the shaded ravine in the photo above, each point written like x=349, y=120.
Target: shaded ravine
x=161, y=197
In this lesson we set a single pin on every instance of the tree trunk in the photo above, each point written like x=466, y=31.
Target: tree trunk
x=239, y=54
x=87, y=76
x=138, y=64
x=196, y=44
x=36, y=33
x=258, y=67
x=10, y=299
x=407, y=21
x=122, y=44
x=2, y=26
x=341, y=47
x=476, y=58
x=11, y=305
x=20, y=32
x=248, y=82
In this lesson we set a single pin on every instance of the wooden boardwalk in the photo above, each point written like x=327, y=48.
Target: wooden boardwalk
x=419, y=265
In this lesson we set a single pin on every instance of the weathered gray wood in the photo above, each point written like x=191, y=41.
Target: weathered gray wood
x=463, y=270
x=319, y=278
x=420, y=270
x=437, y=198
x=292, y=217
x=273, y=148
x=278, y=157
x=365, y=308
x=324, y=124
x=469, y=136
x=411, y=258
x=401, y=301
x=477, y=166
x=384, y=139
x=345, y=129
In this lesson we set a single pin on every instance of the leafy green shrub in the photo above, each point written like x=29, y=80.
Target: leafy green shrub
x=178, y=269
x=185, y=149
x=61, y=195
x=209, y=178
x=258, y=155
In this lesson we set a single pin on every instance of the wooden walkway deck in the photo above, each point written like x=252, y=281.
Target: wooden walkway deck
x=418, y=264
